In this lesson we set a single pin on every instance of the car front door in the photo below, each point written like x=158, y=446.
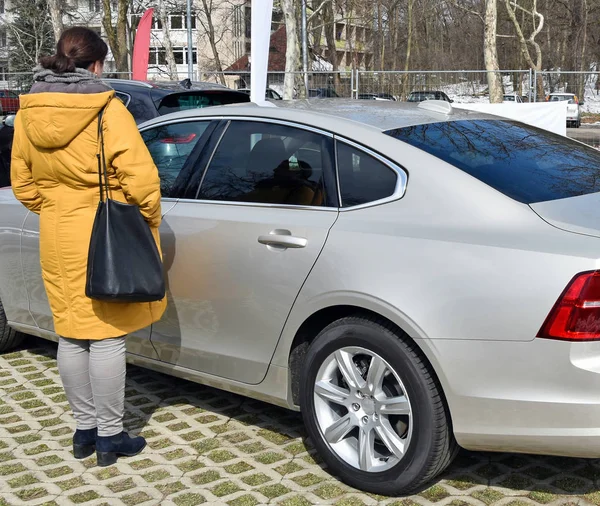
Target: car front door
x=170, y=152
x=238, y=252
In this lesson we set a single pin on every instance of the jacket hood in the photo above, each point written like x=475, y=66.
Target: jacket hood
x=52, y=120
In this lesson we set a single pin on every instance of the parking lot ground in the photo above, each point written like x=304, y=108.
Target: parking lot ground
x=586, y=133
x=210, y=447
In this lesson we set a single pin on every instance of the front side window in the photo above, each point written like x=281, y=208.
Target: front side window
x=170, y=147
x=363, y=178
x=269, y=164
x=525, y=163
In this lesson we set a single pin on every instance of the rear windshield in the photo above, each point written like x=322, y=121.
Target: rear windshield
x=523, y=162
x=199, y=99
x=562, y=98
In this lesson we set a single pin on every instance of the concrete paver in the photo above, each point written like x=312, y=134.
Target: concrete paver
x=210, y=447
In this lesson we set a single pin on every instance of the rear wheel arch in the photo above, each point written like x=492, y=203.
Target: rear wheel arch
x=317, y=322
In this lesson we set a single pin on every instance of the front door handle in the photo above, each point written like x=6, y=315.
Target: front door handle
x=282, y=239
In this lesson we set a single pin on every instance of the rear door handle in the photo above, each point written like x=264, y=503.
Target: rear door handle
x=282, y=239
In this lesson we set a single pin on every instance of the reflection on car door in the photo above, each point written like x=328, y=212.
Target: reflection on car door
x=238, y=254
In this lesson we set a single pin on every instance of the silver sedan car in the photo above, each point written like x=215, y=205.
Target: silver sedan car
x=411, y=277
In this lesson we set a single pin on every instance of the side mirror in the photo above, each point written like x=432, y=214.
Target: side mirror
x=9, y=121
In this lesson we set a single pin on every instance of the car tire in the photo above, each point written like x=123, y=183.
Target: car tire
x=9, y=338
x=349, y=413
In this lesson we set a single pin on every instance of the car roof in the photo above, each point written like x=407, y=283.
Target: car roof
x=562, y=93
x=371, y=115
x=165, y=85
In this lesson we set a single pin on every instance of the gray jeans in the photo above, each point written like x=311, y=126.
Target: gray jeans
x=93, y=375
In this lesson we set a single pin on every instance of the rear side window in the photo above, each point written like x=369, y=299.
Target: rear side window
x=523, y=162
x=197, y=100
x=363, y=178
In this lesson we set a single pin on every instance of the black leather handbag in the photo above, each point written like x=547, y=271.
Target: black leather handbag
x=124, y=263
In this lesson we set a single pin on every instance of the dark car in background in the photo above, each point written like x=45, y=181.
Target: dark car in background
x=377, y=96
x=145, y=101
x=421, y=96
x=322, y=93
x=270, y=93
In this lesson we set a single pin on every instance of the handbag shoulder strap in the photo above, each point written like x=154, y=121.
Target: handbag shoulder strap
x=102, y=171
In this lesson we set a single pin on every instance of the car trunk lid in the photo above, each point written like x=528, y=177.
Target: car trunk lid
x=580, y=215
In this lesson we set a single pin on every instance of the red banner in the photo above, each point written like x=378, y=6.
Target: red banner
x=141, y=47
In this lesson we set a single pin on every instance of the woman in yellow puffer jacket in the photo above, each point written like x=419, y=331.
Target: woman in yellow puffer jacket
x=54, y=173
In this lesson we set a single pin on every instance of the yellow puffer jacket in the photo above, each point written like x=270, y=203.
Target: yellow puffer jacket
x=54, y=173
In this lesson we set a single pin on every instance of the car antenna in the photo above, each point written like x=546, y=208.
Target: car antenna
x=186, y=83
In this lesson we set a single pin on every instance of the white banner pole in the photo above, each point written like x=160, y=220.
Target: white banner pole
x=262, y=12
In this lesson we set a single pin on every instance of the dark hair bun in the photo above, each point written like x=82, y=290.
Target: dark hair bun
x=78, y=47
x=59, y=63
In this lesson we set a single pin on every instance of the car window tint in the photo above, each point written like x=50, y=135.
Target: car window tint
x=198, y=100
x=363, y=178
x=523, y=162
x=270, y=164
x=170, y=147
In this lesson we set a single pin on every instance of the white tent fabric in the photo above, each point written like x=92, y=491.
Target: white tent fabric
x=547, y=115
x=262, y=12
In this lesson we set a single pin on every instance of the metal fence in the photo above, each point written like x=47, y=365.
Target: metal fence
x=464, y=85
x=583, y=84
x=461, y=86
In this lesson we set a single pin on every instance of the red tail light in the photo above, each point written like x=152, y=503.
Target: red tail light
x=184, y=139
x=576, y=314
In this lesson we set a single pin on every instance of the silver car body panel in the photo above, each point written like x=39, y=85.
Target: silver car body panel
x=577, y=214
x=468, y=273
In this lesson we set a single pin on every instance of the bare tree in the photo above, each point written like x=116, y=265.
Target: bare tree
x=537, y=20
x=167, y=43
x=409, y=22
x=56, y=8
x=292, y=57
x=117, y=34
x=208, y=25
x=490, y=52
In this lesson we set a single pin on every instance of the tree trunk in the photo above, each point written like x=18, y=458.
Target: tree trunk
x=56, y=15
x=490, y=53
x=117, y=36
x=168, y=44
x=537, y=28
x=329, y=27
x=292, y=56
x=210, y=30
x=409, y=22
x=583, y=67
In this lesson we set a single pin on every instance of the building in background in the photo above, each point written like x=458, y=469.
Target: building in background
x=221, y=39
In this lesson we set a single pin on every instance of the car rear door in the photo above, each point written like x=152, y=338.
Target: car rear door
x=238, y=251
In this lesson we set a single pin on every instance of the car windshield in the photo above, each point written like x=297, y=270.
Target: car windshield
x=525, y=163
x=199, y=99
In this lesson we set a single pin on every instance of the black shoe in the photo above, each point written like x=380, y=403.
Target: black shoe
x=108, y=448
x=84, y=442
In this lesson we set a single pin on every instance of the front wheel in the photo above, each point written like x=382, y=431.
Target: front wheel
x=9, y=338
x=373, y=409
